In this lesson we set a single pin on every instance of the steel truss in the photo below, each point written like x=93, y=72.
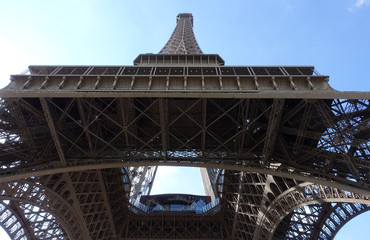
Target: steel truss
x=182, y=40
x=319, y=221
x=290, y=155
x=321, y=141
x=164, y=227
x=266, y=207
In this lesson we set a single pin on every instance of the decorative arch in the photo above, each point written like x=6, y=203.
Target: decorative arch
x=11, y=222
x=358, y=211
x=28, y=193
x=299, y=196
x=318, y=221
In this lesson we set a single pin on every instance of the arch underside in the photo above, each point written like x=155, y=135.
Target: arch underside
x=26, y=221
x=294, y=157
x=248, y=198
x=318, y=221
x=268, y=207
x=64, y=206
x=323, y=140
x=281, y=157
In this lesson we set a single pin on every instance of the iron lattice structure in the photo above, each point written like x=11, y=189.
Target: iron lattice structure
x=287, y=154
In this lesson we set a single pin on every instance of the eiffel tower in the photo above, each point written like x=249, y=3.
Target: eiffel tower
x=285, y=155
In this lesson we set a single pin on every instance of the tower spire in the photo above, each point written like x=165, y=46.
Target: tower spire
x=182, y=40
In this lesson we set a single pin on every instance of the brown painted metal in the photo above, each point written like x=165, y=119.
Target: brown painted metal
x=73, y=138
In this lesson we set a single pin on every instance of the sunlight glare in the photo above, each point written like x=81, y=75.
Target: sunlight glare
x=3, y=234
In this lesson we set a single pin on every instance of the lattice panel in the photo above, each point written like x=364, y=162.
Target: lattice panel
x=38, y=202
x=243, y=195
x=174, y=227
x=286, y=143
x=182, y=40
x=302, y=222
x=43, y=224
x=302, y=194
x=291, y=136
x=117, y=194
x=11, y=223
x=24, y=133
x=339, y=215
x=347, y=137
x=95, y=209
x=318, y=221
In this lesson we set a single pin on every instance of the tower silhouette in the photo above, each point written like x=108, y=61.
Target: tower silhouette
x=286, y=156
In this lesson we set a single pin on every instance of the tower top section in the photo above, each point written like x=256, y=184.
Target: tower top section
x=184, y=15
x=182, y=40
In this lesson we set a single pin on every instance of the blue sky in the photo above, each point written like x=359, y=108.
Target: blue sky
x=332, y=35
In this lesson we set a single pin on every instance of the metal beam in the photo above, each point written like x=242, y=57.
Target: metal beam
x=272, y=129
x=25, y=131
x=237, y=205
x=93, y=164
x=204, y=124
x=77, y=208
x=106, y=203
x=163, y=119
x=82, y=113
x=53, y=131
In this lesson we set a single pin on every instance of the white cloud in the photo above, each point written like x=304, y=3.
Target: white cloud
x=358, y=4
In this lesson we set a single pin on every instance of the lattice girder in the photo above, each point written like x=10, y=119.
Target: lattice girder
x=286, y=144
x=195, y=137
x=266, y=207
x=182, y=40
x=304, y=194
x=243, y=195
x=318, y=221
x=38, y=202
x=338, y=215
x=182, y=227
x=13, y=223
x=93, y=201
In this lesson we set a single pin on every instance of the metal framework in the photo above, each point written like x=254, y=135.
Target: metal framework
x=287, y=155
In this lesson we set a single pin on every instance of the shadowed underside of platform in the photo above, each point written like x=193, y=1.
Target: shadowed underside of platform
x=290, y=154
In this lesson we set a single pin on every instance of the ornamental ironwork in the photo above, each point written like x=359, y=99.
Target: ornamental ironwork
x=286, y=156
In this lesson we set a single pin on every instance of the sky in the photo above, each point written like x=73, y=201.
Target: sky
x=332, y=35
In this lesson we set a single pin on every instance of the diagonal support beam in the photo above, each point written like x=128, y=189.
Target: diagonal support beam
x=325, y=113
x=19, y=214
x=163, y=114
x=237, y=204
x=76, y=206
x=246, y=107
x=31, y=108
x=325, y=209
x=80, y=125
x=306, y=117
x=21, y=121
x=106, y=203
x=53, y=131
x=126, y=114
x=204, y=124
x=272, y=129
x=85, y=123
